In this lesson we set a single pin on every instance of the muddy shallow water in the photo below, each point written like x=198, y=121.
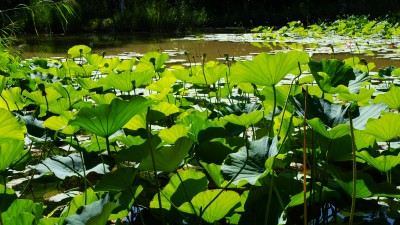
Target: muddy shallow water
x=215, y=47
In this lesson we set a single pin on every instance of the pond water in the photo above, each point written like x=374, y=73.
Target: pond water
x=239, y=46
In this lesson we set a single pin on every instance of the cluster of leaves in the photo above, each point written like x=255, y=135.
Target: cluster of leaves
x=217, y=143
x=350, y=27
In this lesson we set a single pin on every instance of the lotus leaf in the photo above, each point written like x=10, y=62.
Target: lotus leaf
x=181, y=188
x=254, y=165
x=68, y=166
x=170, y=135
x=93, y=214
x=391, y=98
x=385, y=128
x=12, y=99
x=332, y=75
x=245, y=119
x=168, y=158
x=106, y=119
x=61, y=123
x=79, y=50
x=383, y=163
x=266, y=69
x=218, y=208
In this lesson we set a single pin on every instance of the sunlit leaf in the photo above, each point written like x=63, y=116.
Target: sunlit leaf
x=68, y=166
x=170, y=135
x=332, y=75
x=181, y=188
x=79, y=50
x=385, y=128
x=106, y=119
x=218, y=208
x=253, y=164
x=268, y=70
x=391, y=98
x=383, y=163
x=93, y=213
x=245, y=119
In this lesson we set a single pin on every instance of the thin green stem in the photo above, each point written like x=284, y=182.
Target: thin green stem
x=305, y=159
x=108, y=146
x=84, y=175
x=354, y=148
x=154, y=164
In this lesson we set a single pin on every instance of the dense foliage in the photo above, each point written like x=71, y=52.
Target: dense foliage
x=93, y=139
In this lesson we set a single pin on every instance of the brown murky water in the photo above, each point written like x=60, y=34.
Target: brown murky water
x=58, y=45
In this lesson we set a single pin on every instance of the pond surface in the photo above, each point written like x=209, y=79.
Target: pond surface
x=239, y=46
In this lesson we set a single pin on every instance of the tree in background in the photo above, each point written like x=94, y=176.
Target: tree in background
x=33, y=15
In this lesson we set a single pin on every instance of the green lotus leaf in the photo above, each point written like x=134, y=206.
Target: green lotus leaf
x=79, y=50
x=60, y=106
x=108, y=65
x=361, y=98
x=332, y=75
x=147, y=64
x=3, y=82
x=136, y=122
x=383, y=163
x=126, y=65
x=94, y=59
x=385, y=128
x=165, y=108
x=136, y=153
x=10, y=151
x=364, y=113
x=122, y=81
x=333, y=133
x=179, y=72
x=266, y=69
x=142, y=78
x=36, y=96
x=12, y=99
x=214, y=171
x=11, y=129
x=57, y=123
x=84, y=70
x=68, y=166
x=94, y=213
x=164, y=83
x=70, y=93
x=101, y=99
x=88, y=83
x=324, y=82
x=246, y=119
x=168, y=158
x=106, y=119
x=181, y=188
x=119, y=180
x=391, y=98
x=218, y=208
x=355, y=62
x=213, y=72
x=362, y=78
x=48, y=221
x=22, y=212
x=79, y=201
x=254, y=167
x=170, y=135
